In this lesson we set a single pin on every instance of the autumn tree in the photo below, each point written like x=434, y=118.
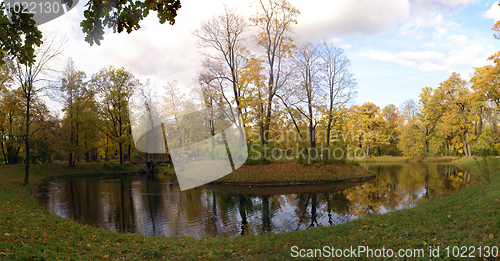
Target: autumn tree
x=310, y=93
x=364, y=123
x=209, y=96
x=253, y=82
x=496, y=28
x=43, y=135
x=274, y=20
x=339, y=82
x=147, y=117
x=486, y=81
x=79, y=134
x=429, y=114
x=11, y=117
x=27, y=76
x=457, y=99
x=224, y=34
x=392, y=118
x=114, y=87
x=411, y=139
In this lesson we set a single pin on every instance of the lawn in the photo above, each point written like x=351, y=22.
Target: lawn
x=469, y=217
x=394, y=159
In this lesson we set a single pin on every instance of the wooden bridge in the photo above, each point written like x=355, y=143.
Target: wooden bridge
x=151, y=164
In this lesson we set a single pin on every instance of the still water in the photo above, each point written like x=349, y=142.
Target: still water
x=153, y=204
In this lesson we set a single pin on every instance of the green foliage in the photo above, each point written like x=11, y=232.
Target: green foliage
x=115, y=87
x=411, y=142
x=117, y=167
x=486, y=166
x=354, y=163
x=263, y=154
x=167, y=168
x=302, y=159
x=40, y=157
x=79, y=137
x=123, y=16
x=19, y=36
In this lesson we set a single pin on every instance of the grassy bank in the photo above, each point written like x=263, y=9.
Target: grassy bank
x=469, y=217
x=13, y=173
x=397, y=159
x=291, y=172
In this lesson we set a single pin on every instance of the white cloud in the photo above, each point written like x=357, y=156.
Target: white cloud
x=459, y=39
x=344, y=18
x=426, y=60
x=442, y=4
x=465, y=54
x=336, y=40
x=340, y=43
x=319, y=18
x=155, y=51
x=418, y=26
x=493, y=12
x=429, y=45
x=475, y=54
x=346, y=46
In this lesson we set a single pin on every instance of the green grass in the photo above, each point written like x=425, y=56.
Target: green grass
x=394, y=159
x=469, y=217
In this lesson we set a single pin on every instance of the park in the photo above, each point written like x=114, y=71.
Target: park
x=257, y=134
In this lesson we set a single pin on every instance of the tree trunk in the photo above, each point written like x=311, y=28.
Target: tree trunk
x=426, y=146
x=267, y=124
x=106, y=150
x=368, y=149
x=3, y=153
x=465, y=146
x=130, y=141
x=129, y=152
x=312, y=134
x=328, y=130
x=120, y=145
x=27, y=142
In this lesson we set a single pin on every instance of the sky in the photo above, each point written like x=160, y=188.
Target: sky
x=395, y=47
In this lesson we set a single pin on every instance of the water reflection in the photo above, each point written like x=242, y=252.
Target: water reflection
x=154, y=205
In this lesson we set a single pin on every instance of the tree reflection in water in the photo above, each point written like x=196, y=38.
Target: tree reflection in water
x=154, y=205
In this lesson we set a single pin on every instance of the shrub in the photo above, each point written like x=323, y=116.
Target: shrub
x=116, y=167
x=355, y=163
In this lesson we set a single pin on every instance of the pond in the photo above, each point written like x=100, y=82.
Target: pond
x=153, y=204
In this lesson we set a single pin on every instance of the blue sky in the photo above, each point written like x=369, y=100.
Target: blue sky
x=396, y=47
x=395, y=65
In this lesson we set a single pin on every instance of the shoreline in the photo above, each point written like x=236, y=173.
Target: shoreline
x=91, y=172
x=321, y=182
x=283, y=173
x=401, y=159
x=62, y=176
